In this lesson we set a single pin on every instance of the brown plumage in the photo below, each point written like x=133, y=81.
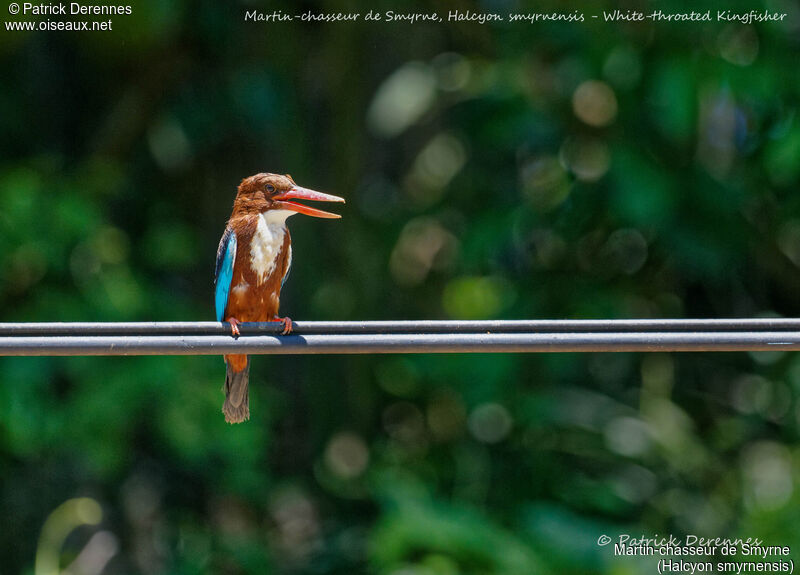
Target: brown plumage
x=253, y=259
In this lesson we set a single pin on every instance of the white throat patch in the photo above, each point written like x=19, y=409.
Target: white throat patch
x=267, y=242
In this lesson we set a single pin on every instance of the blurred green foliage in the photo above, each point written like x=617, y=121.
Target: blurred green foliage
x=529, y=171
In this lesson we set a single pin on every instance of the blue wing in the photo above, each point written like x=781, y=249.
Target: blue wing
x=223, y=274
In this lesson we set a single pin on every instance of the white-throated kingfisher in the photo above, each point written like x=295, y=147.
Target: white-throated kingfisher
x=253, y=261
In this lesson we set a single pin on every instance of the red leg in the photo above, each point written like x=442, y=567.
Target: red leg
x=235, y=323
x=287, y=324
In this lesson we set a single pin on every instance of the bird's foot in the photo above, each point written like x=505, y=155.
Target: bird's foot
x=287, y=324
x=235, y=323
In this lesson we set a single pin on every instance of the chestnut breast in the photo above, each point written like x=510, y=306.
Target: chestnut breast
x=263, y=258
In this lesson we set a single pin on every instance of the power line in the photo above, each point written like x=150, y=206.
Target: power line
x=410, y=326
x=508, y=336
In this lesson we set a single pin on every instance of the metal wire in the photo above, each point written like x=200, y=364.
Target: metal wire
x=413, y=326
x=514, y=336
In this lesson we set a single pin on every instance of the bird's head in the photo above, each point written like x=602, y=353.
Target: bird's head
x=264, y=192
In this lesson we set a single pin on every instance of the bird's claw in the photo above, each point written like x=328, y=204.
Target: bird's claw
x=235, y=323
x=287, y=324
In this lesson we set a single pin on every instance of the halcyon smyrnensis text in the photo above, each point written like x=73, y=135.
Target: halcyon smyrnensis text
x=253, y=261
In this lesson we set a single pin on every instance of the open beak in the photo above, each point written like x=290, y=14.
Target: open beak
x=298, y=193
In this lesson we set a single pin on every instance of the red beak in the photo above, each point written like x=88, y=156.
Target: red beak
x=305, y=194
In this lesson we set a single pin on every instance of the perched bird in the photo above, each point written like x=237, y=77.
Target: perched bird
x=253, y=261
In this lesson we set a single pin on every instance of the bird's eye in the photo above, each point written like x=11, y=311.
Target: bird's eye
x=270, y=188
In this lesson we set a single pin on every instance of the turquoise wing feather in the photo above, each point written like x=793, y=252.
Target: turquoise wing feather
x=223, y=274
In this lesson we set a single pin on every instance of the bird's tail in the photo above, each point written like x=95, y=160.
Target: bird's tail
x=237, y=401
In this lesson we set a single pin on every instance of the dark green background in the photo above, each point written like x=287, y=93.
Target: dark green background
x=485, y=178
